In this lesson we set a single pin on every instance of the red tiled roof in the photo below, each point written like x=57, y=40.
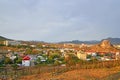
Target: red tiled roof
x=26, y=58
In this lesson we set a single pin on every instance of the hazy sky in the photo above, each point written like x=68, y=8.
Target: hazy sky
x=59, y=20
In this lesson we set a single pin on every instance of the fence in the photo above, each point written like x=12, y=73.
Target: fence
x=10, y=73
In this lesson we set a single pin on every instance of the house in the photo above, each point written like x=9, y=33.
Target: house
x=33, y=46
x=7, y=42
x=26, y=61
x=82, y=55
x=117, y=56
x=42, y=59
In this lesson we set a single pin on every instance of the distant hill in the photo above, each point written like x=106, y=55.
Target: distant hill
x=112, y=40
x=3, y=38
x=104, y=46
x=80, y=42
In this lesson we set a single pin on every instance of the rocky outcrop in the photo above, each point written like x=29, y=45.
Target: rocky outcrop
x=105, y=44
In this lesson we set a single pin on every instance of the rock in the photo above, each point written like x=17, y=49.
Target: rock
x=106, y=44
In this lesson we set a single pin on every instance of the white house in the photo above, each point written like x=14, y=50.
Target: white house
x=42, y=58
x=7, y=42
x=26, y=61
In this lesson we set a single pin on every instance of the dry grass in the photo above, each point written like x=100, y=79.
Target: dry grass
x=78, y=74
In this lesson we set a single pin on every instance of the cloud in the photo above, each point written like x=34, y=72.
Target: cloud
x=59, y=20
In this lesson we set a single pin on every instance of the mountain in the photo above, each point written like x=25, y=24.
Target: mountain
x=104, y=46
x=80, y=42
x=112, y=40
x=3, y=38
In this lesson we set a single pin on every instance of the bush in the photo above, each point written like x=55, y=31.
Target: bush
x=56, y=63
x=7, y=61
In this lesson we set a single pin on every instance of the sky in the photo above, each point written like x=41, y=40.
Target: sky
x=59, y=20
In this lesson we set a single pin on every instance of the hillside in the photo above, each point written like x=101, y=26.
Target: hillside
x=3, y=38
x=77, y=74
x=80, y=42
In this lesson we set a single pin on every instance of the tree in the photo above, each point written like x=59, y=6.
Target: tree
x=19, y=60
x=35, y=51
x=50, y=60
x=71, y=59
x=7, y=60
x=28, y=51
x=56, y=63
x=38, y=60
x=89, y=56
x=55, y=55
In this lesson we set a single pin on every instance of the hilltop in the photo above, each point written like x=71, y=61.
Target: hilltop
x=3, y=38
x=104, y=46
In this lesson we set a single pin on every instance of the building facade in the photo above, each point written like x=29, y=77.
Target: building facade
x=11, y=43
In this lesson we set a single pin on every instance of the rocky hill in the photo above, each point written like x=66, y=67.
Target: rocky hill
x=114, y=40
x=104, y=46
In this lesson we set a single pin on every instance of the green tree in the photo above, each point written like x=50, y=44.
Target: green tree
x=72, y=59
x=89, y=56
x=50, y=60
x=28, y=51
x=7, y=60
x=56, y=63
x=55, y=55
x=38, y=60
x=19, y=60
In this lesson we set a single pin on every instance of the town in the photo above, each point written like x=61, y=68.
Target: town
x=25, y=53
x=59, y=40
x=24, y=58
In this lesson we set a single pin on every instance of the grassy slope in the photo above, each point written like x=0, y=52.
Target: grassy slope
x=78, y=74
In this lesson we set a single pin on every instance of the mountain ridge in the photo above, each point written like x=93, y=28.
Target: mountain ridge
x=112, y=40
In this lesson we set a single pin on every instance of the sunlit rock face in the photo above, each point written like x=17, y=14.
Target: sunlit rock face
x=106, y=44
x=103, y=47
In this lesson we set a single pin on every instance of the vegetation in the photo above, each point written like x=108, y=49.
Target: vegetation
x=7, y=61
x=54, y=60
x=87, y=70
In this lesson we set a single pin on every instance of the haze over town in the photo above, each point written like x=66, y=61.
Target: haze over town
x=59, y=20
